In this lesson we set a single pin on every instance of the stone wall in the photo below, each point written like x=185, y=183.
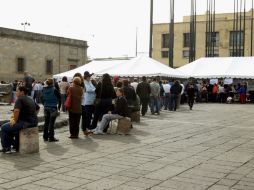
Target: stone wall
x=36, y=49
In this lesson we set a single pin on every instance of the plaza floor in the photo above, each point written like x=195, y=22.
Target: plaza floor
x=210, y=147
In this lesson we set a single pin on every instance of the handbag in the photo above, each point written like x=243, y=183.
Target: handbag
x=67, y=102
x=97, y=101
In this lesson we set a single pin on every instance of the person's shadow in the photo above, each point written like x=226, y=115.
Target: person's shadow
x=56, y=149
x=86, y=143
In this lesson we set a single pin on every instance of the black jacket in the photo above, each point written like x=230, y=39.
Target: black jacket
x=121, y=107
x=176, y=89
x=143, y=90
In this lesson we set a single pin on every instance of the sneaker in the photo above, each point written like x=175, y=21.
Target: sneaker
x=53, y=140
x=6, y=151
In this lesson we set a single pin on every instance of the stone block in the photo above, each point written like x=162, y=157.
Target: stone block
x=135, y=116
x=124, y=126
x=29, y=140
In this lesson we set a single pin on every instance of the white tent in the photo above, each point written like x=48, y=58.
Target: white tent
x=135, y=67
x=220, y=67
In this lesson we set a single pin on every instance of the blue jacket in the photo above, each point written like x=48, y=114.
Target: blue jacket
x=50, y=97
x=89, y=93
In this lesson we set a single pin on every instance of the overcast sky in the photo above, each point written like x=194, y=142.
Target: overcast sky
x=109, y=26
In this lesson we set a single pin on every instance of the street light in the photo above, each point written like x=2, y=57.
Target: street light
x=24, y=24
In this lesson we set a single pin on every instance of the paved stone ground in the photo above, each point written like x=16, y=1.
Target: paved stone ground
x=211, y=147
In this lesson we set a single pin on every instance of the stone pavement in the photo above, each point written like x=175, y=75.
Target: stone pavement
x=211, y=147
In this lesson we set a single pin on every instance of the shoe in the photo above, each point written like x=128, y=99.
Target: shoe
x=6, y=150
x=73, y=137
x=86, y=133
x=53, y=140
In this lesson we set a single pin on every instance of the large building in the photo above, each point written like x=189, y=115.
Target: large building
x=223, y=38
x=40, y=55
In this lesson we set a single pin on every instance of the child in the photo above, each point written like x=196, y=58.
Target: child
x=121, y=110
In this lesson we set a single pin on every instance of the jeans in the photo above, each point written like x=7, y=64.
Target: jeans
x=63, y=98
x=167, y=101
x=50, y=115
x=89, y=110
x=74, y=120
x=105, y=121
x=173, y=102
x=154, y=103
x=8, y=132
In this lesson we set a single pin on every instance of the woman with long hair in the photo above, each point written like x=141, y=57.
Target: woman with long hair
x=105, y=93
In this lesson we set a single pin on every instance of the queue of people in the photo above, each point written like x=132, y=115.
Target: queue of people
x=96, y=103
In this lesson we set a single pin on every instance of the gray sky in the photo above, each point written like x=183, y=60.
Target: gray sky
x=109, y=26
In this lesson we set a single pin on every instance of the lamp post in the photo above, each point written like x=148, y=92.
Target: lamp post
x=24, y=24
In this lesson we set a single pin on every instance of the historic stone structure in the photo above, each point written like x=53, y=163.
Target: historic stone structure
x=223, y=38
x=39, y=54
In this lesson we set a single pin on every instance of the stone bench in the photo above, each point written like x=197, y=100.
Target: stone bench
x=135, y=116
x=124, y=126
x=29, y=140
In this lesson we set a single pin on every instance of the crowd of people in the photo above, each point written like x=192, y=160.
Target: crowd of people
x=96, y=102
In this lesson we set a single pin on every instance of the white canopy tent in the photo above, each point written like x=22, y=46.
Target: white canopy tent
x=220, y=67
x=135, y=67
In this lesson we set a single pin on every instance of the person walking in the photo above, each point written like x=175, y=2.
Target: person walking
x=143, y=91
x=50, y=100
x=191, y=95
x=75, y=91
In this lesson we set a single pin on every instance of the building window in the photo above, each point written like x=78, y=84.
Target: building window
x=165, y=40
x=236, y=38
x=20, y=64
x=49, y=67
x=73, y=67
x=213, y=38
x=215, y=54
x=186, y=53
x=186, y=39
x=164, y=54
x=234, y=53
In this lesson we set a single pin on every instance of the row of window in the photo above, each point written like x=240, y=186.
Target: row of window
x=21, y=66
x=232, y=53
x=212, y=38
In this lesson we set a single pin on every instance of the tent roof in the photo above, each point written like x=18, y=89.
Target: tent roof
x=135, y=67
x=220, y=67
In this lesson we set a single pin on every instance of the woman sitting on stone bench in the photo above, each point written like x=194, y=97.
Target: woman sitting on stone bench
x=121, y=110
x=24, y=116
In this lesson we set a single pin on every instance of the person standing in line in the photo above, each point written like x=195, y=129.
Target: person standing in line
x=76, y=92
x=191, y=95
x=166, y=88
x=134, y=84
x=154, y=97
x=64, y=85
x=120, y=111
x=175, y=91
x=28, y=82
x=50, y=99
x=143, y=91
x=88, y=102
x=106, y=93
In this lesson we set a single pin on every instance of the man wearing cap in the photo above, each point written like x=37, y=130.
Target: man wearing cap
x=87, y=103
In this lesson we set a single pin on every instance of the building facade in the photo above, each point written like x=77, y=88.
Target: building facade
x=40, y=55
x=223, y=37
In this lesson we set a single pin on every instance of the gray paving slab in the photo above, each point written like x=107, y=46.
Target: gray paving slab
x=210, y=147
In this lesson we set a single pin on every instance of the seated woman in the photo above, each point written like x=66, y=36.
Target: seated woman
x=121, y=110
x=24, y=116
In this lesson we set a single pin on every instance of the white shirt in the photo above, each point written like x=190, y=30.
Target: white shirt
x=134, y=85
x=166, y=88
